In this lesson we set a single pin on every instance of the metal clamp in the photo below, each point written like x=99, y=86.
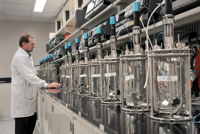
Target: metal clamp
x=52, y=108
x=71, y=127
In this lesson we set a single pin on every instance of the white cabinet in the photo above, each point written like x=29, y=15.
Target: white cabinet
x=67, y=121
x=54, y=118
x=82, y=128
x=99, y=131
x=62, y=121
x=66, y=124
x=48, y=115
x=57, y=113
x=39, y=112
x=44, y=120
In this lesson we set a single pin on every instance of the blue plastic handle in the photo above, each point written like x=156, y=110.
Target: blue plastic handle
x=98, y=30
x=76, y=40
x=112, y=20
x=69, y=44
x=136, y=6
x=85, y=35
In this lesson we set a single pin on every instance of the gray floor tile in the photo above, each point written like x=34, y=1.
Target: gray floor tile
x=7, y=125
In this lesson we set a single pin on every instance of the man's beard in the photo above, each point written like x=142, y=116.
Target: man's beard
x=28, y=51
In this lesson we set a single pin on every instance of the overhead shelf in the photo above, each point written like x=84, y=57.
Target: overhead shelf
x=122, y=2
x=67, y=28
x=85, y=4
x=61, y=32
x=71, y=38
x=70, y=25
x=100, y=17
x=180, y=19
x=183, y=18
x=74, y=35
x=106, y=13
x=54, y=49
x=61, y=59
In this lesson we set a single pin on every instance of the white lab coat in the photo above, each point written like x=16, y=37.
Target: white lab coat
x=24, y=85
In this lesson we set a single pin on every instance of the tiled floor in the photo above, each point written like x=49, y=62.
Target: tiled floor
x=7, y=125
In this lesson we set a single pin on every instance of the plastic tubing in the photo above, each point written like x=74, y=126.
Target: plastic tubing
x=147, y=39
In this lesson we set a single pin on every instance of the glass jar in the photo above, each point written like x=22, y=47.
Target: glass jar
x=134, y=78
x=95, y=78
x=84, y=78
x=170, y=74
x=110, y=81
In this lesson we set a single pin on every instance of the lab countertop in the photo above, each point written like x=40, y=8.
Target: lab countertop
x=116, y=121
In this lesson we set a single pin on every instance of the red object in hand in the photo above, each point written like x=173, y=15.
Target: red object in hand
x=67, y=35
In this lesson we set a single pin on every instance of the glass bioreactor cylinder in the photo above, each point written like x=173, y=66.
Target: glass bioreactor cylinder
x=74, y=79
x=83, y=67
x=95, y=77
x=50, y=70
x=134, y=66
x=169, y=76
x=44, y=74
x=67, y=76
x=110, y=71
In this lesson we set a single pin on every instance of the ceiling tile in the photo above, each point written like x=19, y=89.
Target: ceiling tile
x=20, y=21
x=19, y=1
x=2, y=17
x=22, y=11
x=54, y=2
x=40, y=19
x=14, y=18
x=36, y=14
x=19, y=7
x=63, y=1
x=50, y=9
x=1, y=5
x=17, y=13
x=52, y=21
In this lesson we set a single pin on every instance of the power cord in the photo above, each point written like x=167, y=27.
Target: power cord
x=195, y=122
x=128, y=34
x=154, y=25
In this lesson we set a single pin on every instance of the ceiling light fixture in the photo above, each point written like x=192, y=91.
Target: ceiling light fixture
x=39, y=5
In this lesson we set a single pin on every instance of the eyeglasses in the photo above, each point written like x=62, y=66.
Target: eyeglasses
x=31, y=43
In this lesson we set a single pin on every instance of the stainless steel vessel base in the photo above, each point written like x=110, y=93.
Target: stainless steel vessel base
x=81, y=95
x=110, y=102
x=92, y=97
x=136, y=109
x=168, y=118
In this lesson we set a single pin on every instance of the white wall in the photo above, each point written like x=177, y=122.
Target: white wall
x=9, y=43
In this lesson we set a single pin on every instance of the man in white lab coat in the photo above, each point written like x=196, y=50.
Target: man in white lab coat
x=24, y=87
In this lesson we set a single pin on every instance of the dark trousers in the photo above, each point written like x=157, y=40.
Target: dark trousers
x=25, y=125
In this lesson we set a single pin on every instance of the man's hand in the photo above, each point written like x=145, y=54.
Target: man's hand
x=52, y=88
